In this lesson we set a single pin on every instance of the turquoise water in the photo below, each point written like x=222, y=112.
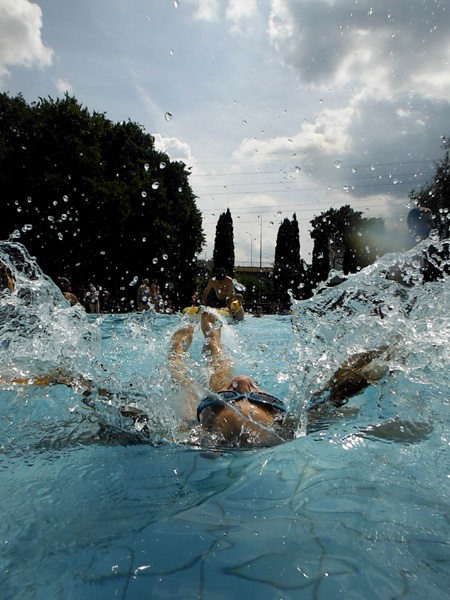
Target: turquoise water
x=356, y=506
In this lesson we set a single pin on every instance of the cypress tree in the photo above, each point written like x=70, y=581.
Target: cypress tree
x=223, y=254
x=287, y=263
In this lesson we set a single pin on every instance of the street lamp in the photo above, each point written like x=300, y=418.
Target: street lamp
x=251, y=248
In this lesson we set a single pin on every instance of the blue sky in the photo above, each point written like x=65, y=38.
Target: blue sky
x=279, y=106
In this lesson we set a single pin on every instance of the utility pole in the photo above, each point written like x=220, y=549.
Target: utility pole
x=251, y=248
x=260, y=244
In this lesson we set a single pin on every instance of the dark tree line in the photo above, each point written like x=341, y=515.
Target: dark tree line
x=93, y=199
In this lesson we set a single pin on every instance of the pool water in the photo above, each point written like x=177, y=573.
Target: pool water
x=355, y=506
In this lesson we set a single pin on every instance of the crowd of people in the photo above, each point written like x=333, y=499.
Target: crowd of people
x=94, y=300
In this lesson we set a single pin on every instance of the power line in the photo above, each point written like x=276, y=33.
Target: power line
x=342, y=167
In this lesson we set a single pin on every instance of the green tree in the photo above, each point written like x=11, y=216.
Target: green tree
x=223, y=253
x=288, y=268
x=364, y=243
x=436, y=194
x=344, y=229
x=94, y=200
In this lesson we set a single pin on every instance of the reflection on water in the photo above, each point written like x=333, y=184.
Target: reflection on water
x=356, y=503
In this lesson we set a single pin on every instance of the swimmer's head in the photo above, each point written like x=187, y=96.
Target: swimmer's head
x=221, y=274
x=64, y=284
x=242, y=384
x=420, y=222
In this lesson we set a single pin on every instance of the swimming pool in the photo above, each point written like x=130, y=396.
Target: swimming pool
x=356, y=507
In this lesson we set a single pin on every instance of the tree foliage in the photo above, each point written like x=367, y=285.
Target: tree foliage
x=288, y=268
x=223, y=253
x=436, y=194
x=94, y=200
x=360, y=239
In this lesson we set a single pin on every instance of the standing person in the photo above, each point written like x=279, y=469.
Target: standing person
x=92, y=299
x=106, y=299
x=226, y=297
x=143, y=295
x=66, y=288
x=420, y=224
x=155, y=294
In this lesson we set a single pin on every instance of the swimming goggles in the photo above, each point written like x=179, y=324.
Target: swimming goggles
x=228, y=396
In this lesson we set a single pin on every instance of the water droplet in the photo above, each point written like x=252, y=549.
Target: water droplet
x=155, y=261
x=66, y=198
x=60, y=236
x=180, y=189
x=171, y=52
x=372, y=168
x=176, y=3
x=50, y=218
x=27, y=227
x=29, y=200
x=155, y=185
x=15, y=234
x=168, y=116
x=165, y=257
x=338, y=164
x=244, y=122
x=298, y=169
x=162, y=165
x=144, y=194
x=64, y=216
x=134, y=280
x=55, y=202
x=354, y=169
x=146, y=166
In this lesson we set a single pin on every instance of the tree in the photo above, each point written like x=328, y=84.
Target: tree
x=223, y=253
x=94, y=200
x=288, y=268
x=364, y=244
x=436, y=194
x=344, y=229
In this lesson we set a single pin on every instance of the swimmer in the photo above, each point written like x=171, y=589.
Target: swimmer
x=66, y=288
x=226, y=297
x=235, y=410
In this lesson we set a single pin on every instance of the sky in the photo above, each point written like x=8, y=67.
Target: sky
x=276, y=106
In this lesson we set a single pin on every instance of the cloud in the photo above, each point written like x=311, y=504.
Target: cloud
x=385, y=48
x=63, y=86
x=20, y=36
x=176, y=149
x=383, y=72
x=207, y=10
x=238, y=10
